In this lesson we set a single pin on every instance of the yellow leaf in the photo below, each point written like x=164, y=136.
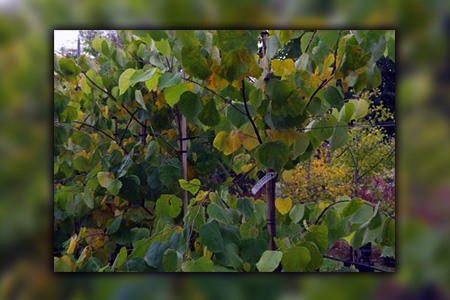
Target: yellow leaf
x=234, y=142
x=220, y=140
x=283, y=67
x=200, y=196
x=66, y=259
x=72, y=244
x=283, y=205
x=178, y=229
x=197, y=245
x=84, y=255
x=286, y=136
x=105, y=111
x=246, y=167
x=288, y=176
x=249, y=142
x=328, y=61
x=315, y=80
x=206, y=252
x=160, y=101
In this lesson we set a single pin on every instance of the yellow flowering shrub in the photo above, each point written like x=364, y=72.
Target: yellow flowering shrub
x=317, y=179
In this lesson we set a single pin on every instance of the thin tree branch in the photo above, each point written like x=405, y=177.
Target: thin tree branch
x=379, y=162
x=228, y=101
x=310, y=40
x=126, y=128
x=247, y=113
x=354, y=263
x=113, y=98
x=103, y=132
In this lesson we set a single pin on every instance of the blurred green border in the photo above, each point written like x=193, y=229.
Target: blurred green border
x=423, y=173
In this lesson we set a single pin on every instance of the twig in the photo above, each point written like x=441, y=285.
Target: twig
x=354, y=263
x=101, y=131
x=126, y=128
x=379, y=162
x=113, y=98
x=247, y=113
x=310, y=40
x=228, y=101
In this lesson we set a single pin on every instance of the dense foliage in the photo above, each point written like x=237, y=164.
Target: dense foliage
x=125, y=119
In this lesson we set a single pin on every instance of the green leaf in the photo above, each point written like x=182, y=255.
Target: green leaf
x=203, y=264
x=328, y=37
x=168, y=206
x=316, y=257
x=346, y=112
x=297, y=212
x=69, y=68
x=192, y=186
x=173, y=93
x=131, y=189
x=168, y=79
x=88, y=198
x=163, y=46
x=230, y=257
x=300, y=144
x=216, y=212
x=141, y=75
x=105, y=178
x=190, y=105
x=194, y=63
x=121, y=258
x=333, y=97
x=269, y=261
x=62, y=264
x=114, y=226
x=187, y=37
x=388, y=233
x=209, y=114
x=172, y=260
x=81, y=163
x=248, y=230
x=234, y=65
x=170, y=172
x=279, y=91
x=318, y=234
x=124, y=80
x=211, y=237
x=340, y=136
x=153, y=153
x=231, y=40
x=114, y=187
x=361, y=108
x=82, y=139
x=155, y=254
x=252, y=249
x=353, y=206
x=139, y=99
x=295, y=259
x=273, y=155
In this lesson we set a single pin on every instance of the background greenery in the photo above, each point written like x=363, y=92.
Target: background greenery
x=423, y=164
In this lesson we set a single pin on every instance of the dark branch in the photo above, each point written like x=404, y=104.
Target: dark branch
x=228, y=101
x=101, y=131
x=354, y=263
x=247, y=113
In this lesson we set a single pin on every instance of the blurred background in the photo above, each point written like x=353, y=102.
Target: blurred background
x=423, y=148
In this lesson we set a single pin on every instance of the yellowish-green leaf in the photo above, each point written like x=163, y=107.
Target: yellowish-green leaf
x=283, y=67
x=124, y=80
x=173, y=93
x=105, y=178
x=140, y=99
x=288, y=176
x=72, y=244
x=192, y=186
x=283, y=205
